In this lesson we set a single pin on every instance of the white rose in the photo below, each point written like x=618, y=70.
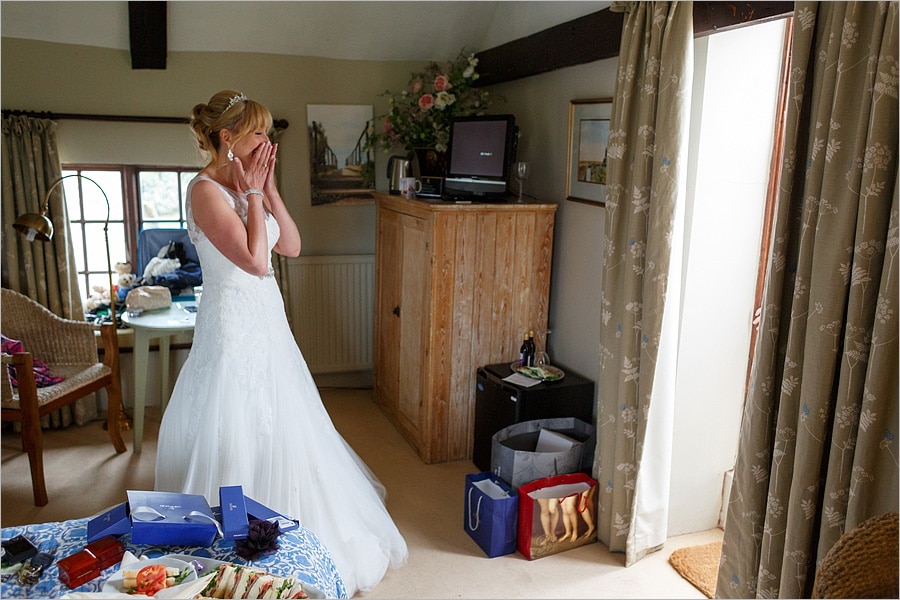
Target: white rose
x=443, y=99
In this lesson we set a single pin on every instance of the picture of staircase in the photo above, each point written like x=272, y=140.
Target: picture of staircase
x=342, y=163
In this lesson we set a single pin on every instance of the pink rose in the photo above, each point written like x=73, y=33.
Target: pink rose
x=417, y=86
x=387, y=126
x=441, y=83
x=426, y=101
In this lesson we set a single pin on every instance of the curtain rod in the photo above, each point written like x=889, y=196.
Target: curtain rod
x=277, y=123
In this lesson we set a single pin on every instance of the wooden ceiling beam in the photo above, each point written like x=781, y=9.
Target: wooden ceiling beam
x=148, y=34
x=598, y=35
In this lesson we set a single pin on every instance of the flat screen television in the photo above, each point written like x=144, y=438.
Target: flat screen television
x=481, y=152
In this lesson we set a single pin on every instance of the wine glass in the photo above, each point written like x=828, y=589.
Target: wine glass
x=541, y=357
x=522, y=172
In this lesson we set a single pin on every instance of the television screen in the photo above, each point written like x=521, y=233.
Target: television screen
x=481, y=151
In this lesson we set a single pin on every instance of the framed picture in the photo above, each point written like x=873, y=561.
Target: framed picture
x=588, y=137
x=341, y=169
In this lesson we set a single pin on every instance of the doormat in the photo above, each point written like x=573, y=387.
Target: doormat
x=699, y=565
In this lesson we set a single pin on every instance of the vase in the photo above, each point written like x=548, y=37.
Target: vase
x=431, y=162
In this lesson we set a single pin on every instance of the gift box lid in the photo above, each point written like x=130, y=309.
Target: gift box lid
x=108, y=551
x=113, y=521
x=257, y=510
x=172, y=507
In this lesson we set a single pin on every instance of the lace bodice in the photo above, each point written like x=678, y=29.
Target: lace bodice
x=236, y=201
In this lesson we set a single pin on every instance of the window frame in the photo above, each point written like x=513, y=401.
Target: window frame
x=132, y=215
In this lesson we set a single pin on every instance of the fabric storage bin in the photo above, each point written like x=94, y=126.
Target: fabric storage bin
x=517, y=458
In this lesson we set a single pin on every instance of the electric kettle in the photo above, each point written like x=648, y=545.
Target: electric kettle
x=397, y=168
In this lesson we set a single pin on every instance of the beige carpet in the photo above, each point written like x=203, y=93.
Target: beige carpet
x=699, y=565
x=85, y=475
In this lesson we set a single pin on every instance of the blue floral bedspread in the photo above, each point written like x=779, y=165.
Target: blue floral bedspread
x=300, y=553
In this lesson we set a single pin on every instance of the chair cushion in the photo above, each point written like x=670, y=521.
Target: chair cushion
x=75, y=376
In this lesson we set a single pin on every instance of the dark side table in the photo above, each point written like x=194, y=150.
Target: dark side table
x=499, y=404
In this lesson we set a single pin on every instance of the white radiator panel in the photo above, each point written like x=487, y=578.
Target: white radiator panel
x=331, y=312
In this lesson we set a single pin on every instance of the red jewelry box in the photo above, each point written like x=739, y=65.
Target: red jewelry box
x=108, y=550
x=78, y=569
x=85, y=565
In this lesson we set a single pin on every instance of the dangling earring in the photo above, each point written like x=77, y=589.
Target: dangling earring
x=230, y=155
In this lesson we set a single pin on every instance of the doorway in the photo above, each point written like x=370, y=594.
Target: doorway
x=737, y=83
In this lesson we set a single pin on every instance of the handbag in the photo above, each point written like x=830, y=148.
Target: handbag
x=490, y=514
x=556, y=514
x=148, y=297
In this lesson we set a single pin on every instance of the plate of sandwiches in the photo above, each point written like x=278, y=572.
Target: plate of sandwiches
x=230, y=580
x=217, y=579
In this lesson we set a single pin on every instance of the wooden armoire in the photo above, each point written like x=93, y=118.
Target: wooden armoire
x=456, y=287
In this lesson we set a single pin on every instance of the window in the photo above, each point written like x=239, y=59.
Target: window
x=139, y=197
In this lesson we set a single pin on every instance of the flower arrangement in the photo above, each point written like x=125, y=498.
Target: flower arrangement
x=419, y=116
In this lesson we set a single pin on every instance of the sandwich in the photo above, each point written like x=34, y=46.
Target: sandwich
x=237, y=581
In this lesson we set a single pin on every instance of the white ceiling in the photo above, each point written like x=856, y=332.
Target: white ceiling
x=376, y=30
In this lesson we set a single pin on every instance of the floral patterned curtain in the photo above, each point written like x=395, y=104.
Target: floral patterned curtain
x=640, y=303
x=818, y=446
x=43, y=271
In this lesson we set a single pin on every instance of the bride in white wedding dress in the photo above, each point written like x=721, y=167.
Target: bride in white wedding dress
x=245, y=409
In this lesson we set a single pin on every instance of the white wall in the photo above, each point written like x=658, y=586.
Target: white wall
x=541, y=107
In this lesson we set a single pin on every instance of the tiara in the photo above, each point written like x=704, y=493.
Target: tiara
x=235, y=99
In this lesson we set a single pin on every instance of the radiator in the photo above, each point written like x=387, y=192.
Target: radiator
x=332, y=300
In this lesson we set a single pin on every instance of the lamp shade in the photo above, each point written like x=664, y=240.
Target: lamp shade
x=34, y=226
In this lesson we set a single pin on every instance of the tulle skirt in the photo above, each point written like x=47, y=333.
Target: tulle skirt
x=246, y=411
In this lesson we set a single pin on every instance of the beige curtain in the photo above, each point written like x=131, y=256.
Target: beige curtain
x=647, y=156
x=43, y=271
x=818, y=447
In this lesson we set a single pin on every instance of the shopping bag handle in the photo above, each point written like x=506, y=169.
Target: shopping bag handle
x=477, y=511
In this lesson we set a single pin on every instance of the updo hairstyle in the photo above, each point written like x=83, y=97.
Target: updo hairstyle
x=241, y=118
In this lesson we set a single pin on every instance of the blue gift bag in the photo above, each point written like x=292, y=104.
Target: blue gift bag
x=491, y=513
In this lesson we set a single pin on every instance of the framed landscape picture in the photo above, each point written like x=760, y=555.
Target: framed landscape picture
x=342, y=169
x=588, y=137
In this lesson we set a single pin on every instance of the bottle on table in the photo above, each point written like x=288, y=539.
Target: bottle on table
x=524, y=350
x=532, y=350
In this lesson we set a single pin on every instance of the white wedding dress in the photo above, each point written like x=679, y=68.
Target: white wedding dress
x=246, y=411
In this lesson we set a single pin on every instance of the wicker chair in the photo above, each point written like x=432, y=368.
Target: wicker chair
x=70, y=349
x=863, y=563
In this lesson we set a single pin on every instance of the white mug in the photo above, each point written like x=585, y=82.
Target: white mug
x=410, y=186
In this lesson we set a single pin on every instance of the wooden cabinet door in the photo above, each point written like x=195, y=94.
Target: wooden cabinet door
x=403, y=265
x=386, y=375
x=415, y=276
